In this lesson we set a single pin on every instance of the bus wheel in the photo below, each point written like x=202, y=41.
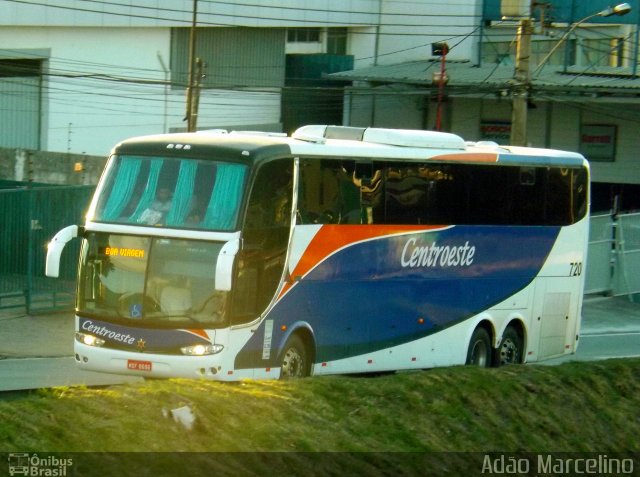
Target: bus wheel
x=294, y=361
x=510, y=350
x=479, y=353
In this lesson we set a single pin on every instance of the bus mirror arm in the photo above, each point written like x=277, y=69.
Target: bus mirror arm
x=55, y=247
x=224, y=265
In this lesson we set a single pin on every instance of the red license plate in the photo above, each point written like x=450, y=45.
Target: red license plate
x=138, y=365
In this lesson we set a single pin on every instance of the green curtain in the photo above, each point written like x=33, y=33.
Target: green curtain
x=222, y=210
x=149, y=193
x=183, y=195
x=122, y=189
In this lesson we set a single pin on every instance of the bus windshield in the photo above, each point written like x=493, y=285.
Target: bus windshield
x=154, y=281
x=170, y=192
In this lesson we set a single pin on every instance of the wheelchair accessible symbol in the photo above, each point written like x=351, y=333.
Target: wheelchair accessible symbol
x=135, y=310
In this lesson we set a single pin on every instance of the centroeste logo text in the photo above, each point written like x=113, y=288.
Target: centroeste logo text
x=105, y=332
x=415, y=255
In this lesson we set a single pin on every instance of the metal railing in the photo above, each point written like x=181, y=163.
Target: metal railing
x=613, y=261
x=626, y=270
x=600, y=254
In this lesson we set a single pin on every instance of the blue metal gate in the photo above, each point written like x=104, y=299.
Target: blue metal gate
x=30, y=217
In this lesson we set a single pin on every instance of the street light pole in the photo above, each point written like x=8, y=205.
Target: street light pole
x=621, y=9
x=522, y=79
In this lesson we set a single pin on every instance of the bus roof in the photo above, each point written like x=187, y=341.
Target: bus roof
x=342, y=142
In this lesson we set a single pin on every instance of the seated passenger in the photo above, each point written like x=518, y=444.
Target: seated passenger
x=157, y=211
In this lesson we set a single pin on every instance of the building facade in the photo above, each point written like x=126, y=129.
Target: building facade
x=80, y=76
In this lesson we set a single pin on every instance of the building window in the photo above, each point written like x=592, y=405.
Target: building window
x=581, y=52
x=540, y=49
x=337, y=41
x=303, y=35
x=20, y=68
x=602, y=52
x=504, y=53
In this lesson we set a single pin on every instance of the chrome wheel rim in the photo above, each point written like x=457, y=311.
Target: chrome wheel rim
x=508, y=352
x=292, y=364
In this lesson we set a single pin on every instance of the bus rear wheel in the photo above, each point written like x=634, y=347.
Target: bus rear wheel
x=510, y=350
x=294, y=360
x=479, y=352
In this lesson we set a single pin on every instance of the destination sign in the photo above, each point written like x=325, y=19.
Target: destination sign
x=124, y=252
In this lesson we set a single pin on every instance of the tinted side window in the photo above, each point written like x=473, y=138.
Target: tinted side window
x=329, y=192
x=385, y=192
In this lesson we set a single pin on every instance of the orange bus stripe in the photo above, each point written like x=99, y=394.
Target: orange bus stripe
x=467, y=157
x=331, y=238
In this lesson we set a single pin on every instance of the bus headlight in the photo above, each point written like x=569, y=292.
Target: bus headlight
x=89, y=340
x=201, y=350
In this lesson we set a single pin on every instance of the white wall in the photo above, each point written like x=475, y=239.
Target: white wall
x=104, y=77
x=407, y=29
x=361, y=45
x=103, y=85
x=169, y=13
x=626, y=168
x=103, y=80
x=410, y=27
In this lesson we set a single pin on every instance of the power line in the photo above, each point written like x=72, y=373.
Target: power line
x=201, y=22
x=152, y=83
x=285, y=8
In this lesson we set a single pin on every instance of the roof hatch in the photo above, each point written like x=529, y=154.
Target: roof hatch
x=392, y=137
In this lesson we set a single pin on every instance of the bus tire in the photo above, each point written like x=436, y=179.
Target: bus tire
x=479, y=351
x=510, y=349
x=294, y=359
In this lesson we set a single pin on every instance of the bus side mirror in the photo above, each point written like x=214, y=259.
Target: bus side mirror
x=224, y=265
x=55, y=247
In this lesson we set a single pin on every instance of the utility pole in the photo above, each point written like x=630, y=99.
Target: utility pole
x=522, y=82
x=522, y=79
x=191, y=115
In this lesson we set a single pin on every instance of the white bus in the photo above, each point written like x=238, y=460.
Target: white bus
x=337, y=250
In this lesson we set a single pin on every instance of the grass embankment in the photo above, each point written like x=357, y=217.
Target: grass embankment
x=575, y=407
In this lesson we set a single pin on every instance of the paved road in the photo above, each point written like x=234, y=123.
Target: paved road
x=33, y=373
x=603, y=346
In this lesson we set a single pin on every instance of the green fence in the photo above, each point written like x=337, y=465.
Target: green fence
x=29, y=217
